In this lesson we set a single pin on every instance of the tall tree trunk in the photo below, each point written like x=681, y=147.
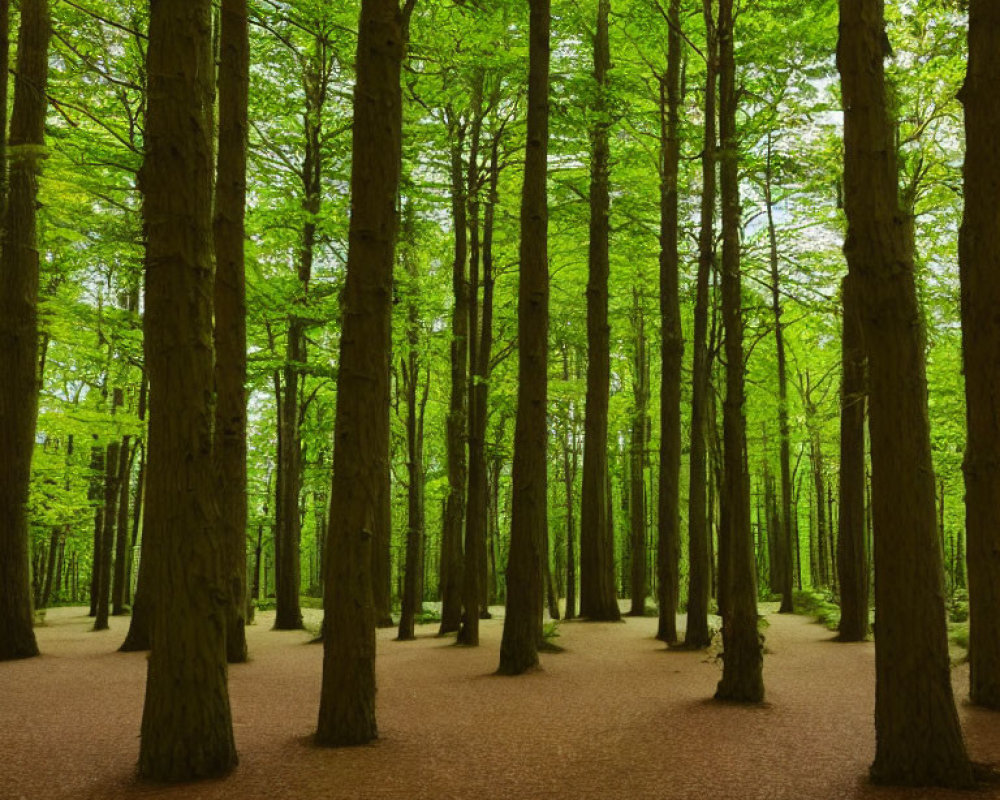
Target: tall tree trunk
x=230, y=314
x=638, y=584
x=522, y=629
x=852, y=561
x=671, y=339
x=697, y=634
x=50, y=567
x=361, y=428
x=187, y=729
x=743, y=660
x=110, y=518
x=783, y=535
x=19, y=326
x=119, y=594
x=597, y=562
x=979, y=258
x=918, y=737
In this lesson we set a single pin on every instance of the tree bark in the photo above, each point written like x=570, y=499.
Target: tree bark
x=119, y=583
x=19, y=265
x=522, y=629
x=852, y=560
x=230, y=313
x=743, y=652
x=361, y=427
x=979, y=259
x=187, y=729
x=107, y=538
x=597, y=562
x=638, y=584
x=671, y=340
x=697, y=635
x=451, y=533
x=918, y=737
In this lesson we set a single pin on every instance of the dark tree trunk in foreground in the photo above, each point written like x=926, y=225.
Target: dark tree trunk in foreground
x=742, y=679
x=696, y=635
x=782, y=534
x=187, y=729
x=598, y=600
x=672, y=340
x=451, y=533
x=979, y=255
x=230, y=315
x=522, y=628
x=19, y=326
x=110, y=518
x=918, y=738
x=852, y=556
x=361, y=429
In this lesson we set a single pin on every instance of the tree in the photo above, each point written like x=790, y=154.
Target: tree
x=597, y=568
x=742, y=644
x=979, y=261
x=522, y=628
x=696, y=634
x=19, y=278
x=187, y=729
x=361, y=427
x=852, y=556
x=672, y=337
x=230, y=312
x=918, y=738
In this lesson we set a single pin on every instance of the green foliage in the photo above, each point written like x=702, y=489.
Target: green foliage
x=819, y=605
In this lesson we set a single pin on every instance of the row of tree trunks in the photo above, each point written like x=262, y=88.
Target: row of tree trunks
x=638, y=587
x=522, y=630
x=19, y=278
x=917, y=733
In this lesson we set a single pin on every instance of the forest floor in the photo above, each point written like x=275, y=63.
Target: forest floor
x=614, y=716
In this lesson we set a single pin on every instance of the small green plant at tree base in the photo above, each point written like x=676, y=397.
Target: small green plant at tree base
x=818, y=605
x=550, y=630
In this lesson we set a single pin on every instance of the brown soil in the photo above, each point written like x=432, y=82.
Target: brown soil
x=614, y=716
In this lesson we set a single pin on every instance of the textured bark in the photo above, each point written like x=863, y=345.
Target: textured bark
x=231, y=312
x=597, y=563
x=140, y=623
x=742, y=644
x=522, y=629
x=19, y=264
x=187, y=730
x=852, y=558
x=671, y=340
x=454, y=515
x=696, y=635
x=917, y=733
x=361, y=428
x=782, y=534
x=979, y=258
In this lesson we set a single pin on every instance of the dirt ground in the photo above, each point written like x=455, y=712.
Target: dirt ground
x=614, y=716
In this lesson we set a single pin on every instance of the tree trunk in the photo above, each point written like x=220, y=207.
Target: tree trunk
x=979, y=253
x=361, y=428
x=743, y=659
x=522, y=629
x=638, y=584
x=119, y=584
x=696, y=635
x=918, y=737
x=782, y=536
x=19, y=326
x=110, y=518
x=230, y=314
x=187, y=729
x=852, y=561
x=451, y=533
x=672, y=340
x=597, y=563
